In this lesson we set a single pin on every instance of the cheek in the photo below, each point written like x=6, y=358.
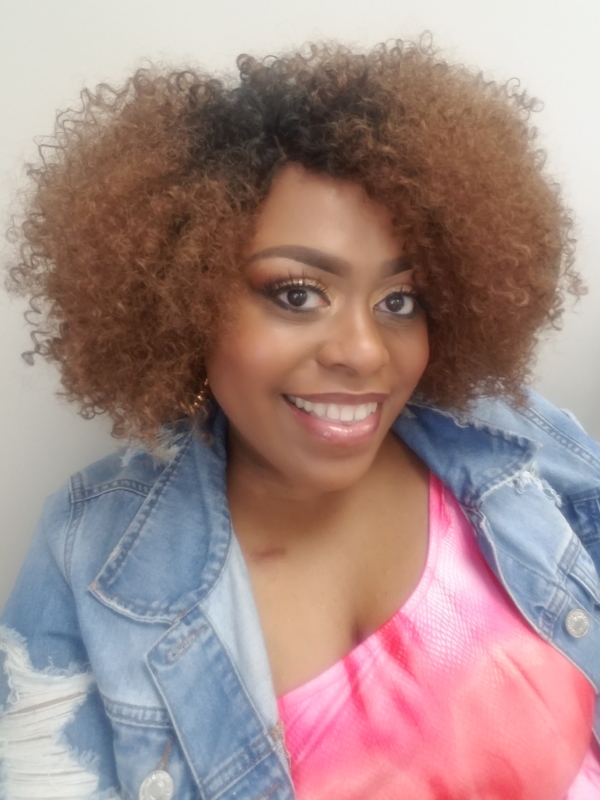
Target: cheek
x=422, y=358
x=254, y=359
x=232, y=369
x=410, y=354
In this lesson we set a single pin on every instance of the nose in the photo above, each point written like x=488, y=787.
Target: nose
x=353, y=341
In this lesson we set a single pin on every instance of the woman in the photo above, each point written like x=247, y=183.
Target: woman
x=313, y=297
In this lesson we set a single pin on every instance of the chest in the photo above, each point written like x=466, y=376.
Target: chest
x=317, y=603
x=404, y=713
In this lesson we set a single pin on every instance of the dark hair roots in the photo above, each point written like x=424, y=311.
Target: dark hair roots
x=144, y=199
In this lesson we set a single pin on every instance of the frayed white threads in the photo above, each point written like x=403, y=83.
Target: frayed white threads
x=164, y=449
x=573, y=418
x=529, y=478
x=129, y=453
x=35, y=761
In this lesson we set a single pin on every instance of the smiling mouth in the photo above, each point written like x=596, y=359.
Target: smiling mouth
x=334, y=412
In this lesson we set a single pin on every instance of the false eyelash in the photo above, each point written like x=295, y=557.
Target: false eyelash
x=409, y=292
x=418, y=296
x=274, y=287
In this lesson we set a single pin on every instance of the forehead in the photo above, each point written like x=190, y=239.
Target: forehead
x=325, y=213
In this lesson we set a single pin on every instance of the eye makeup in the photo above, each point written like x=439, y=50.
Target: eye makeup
x=294, y=293
x=303, y=294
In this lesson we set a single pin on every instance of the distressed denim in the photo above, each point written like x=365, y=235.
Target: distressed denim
x=132, y=643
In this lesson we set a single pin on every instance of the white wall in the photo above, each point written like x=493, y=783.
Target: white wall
x=50, y=48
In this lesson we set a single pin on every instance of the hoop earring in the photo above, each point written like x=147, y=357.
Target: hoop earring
x=200, y=401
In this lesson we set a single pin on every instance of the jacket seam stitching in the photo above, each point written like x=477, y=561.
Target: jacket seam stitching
x=134, y=487
x=562, y=438
x=252, y=764
x=159, y=487
x=265, y=733
x=75, y=513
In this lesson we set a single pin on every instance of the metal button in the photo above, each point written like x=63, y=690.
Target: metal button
x=157, y=786
x=577, y=623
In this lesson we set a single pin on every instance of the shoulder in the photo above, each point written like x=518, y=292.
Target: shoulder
x=536, y=413
x=496, y=438
x=93, y=509
x=134, y=470
x=130, y=470
x=556, y=431
x=535, y=420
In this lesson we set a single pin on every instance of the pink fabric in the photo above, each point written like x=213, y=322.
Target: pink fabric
x=454, y=697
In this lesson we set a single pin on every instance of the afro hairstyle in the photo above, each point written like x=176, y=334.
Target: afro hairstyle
x=143, y=201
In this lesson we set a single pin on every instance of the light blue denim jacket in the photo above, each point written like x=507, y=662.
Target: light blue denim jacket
x=131, y=644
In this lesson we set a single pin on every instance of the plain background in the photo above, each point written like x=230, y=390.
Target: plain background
x=50, y=49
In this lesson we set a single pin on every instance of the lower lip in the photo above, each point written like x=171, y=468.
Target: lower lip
x=335, y=432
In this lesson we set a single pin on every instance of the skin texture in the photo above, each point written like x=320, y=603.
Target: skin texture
x=305, y=505
x=344, y=345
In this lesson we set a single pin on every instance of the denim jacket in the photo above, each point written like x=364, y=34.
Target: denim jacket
x=133, y=659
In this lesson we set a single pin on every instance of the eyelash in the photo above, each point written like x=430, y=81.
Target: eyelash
x=272, y=290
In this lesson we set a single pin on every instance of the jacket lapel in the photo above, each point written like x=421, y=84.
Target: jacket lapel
x=179, y=564
x=472, y=456
x=231, y=751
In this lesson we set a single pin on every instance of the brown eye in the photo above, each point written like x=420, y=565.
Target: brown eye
x=400, y=304
x=296, y=297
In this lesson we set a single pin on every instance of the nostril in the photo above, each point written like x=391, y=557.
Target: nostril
x=356, y=344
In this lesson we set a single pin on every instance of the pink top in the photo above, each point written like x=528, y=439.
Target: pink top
x=454, y=697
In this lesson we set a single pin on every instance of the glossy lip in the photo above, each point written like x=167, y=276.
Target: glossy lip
x=332, y=431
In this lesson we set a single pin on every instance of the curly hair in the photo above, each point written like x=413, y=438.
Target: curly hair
x=144, y=199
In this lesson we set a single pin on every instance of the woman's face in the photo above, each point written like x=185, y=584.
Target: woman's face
x=328, y=340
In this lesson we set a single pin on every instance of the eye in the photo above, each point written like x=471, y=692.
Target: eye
x=300, y=297
x=399, y=303
x=296, y=295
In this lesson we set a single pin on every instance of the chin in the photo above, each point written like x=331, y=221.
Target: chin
x=330, y=475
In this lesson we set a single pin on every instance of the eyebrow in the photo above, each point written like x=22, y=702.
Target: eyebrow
x=325, y=261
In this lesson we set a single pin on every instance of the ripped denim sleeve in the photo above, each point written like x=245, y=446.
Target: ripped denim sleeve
x=36, y=760
x=55, y=740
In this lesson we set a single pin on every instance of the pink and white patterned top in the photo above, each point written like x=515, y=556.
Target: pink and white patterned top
x=454, y=698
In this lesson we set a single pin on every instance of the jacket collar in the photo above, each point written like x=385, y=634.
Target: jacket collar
x=470, y=455
x=183, y=528
x=181, y=536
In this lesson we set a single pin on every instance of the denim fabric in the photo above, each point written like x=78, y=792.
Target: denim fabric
x=136, y=581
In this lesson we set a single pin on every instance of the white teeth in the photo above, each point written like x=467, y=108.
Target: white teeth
x=346, y=413
x=361, y=412
x=333, y=411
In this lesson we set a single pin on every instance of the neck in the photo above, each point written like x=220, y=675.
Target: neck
x=271, y=516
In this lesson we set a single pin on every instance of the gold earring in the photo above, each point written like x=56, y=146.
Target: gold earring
x=200, y=401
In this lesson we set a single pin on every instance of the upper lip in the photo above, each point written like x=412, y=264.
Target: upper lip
x=342, y=399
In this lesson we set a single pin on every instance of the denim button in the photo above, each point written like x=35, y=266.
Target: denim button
x=156, y=786
x=577, y=623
